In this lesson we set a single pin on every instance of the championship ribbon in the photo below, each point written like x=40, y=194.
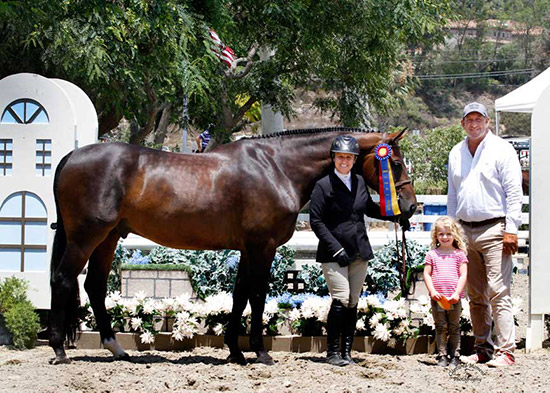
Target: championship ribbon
x=388, y=195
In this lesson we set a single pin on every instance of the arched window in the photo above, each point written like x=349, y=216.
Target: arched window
x=23, y=233
x=25, y=111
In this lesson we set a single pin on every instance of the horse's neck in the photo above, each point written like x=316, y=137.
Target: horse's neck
x=304, y=159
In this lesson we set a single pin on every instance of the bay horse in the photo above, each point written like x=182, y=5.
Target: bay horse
x=244, y=195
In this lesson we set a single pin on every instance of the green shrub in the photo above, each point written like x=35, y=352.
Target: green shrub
x=21, y=320
x=314, y=281
x=383, y=273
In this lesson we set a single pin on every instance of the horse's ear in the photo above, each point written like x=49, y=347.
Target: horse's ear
x=397, y=136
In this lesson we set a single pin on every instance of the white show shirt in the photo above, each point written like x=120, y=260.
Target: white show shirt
x=346, y=179
x=487, y=185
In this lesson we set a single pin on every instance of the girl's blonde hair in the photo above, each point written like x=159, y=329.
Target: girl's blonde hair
x=456, y=230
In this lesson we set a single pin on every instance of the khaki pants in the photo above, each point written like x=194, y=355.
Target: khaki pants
x=447, y=329
x=489, y=281
x=345, y=283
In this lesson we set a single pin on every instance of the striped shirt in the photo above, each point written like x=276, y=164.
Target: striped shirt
x=445, y=270
x=205, y=139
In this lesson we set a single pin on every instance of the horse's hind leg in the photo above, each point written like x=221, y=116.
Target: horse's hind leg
x=65, y=300
x=96, y=287
x=260, y=264
x=240, y=298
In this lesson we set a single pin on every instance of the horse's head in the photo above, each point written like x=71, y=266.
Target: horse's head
x=403, y=186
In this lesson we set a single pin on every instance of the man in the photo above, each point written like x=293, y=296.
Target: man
x=202, y=141
x=485, y=195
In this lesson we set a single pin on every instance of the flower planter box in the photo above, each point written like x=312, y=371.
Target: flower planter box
x=290, y=343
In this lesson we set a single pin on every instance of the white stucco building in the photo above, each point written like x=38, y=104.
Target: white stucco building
x=41, y=120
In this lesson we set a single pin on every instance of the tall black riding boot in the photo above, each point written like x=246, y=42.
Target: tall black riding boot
x=348, y=332
x=335, y=321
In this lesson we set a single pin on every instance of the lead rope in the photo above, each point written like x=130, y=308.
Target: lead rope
x=403, y=268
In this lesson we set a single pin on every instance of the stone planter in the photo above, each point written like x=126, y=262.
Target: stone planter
x=290, y=343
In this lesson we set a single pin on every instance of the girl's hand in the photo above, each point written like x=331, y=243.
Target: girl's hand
x=436, y=296
x=454, y=299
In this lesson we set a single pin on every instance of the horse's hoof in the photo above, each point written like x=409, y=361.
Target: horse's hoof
x=124, y=356
x=237, y=358
x=60, y=360
x=264, y=358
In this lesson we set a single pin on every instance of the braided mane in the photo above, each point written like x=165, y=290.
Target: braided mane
x=303, y=131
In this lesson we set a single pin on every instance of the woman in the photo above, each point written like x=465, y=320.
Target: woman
x=338, y=203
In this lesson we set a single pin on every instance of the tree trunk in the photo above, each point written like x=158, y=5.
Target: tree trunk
x=162, y=126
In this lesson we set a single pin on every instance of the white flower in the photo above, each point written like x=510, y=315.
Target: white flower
x=294, y=315
x=218, y=329
x=136, y=323
x=316, y=307
x=247, y=310
x=112, y=300
x=417, y=308
x=183, y=302
x=374, y=301
x=381, y=332
x=220, y=303
x=375, y=320
x=140, y=296
x=395, y=309
x=392, y=342
x=166, y=304
x=362, y=305
x=360, y=325
x=131, y=305
x=428, y=320
x=424, y=300
x=271, y=307
x=147, y=338
x=149, y=306
x=185, y=326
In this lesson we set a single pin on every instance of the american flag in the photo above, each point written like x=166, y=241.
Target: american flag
x=222, y=51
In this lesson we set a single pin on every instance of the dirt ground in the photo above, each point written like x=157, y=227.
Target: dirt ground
x=205, y=370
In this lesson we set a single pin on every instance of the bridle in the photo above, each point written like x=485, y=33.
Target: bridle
x=403, y=250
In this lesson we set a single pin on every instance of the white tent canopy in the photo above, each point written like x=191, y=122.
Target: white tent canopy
x=524, y=98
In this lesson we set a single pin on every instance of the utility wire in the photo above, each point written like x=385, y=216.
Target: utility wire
x=475, y=74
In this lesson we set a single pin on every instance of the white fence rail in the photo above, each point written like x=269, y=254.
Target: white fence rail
x=307, y=241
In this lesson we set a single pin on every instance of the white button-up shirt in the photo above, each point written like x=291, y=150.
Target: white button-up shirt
x=487, y=185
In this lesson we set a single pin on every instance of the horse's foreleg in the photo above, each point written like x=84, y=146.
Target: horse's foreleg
x=96, y=287
x=240, y=298
x=260, y=268
x=65, y=301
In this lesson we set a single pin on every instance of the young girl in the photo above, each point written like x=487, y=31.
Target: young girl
x=445, y=272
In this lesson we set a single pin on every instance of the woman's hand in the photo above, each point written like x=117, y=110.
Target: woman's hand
x=342, y=259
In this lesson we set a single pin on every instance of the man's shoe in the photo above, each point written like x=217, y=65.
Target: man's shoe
x=455, y=361
x=476, y=358
x=442, y=361
x=503, y=360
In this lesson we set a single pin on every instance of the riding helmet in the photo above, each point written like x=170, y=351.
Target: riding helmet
x=344, y=144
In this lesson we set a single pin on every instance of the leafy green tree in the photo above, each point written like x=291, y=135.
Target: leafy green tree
x=428, y=155
x=139, y=59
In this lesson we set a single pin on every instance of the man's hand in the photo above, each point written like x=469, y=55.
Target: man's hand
x=510, y=243
x=342, y=259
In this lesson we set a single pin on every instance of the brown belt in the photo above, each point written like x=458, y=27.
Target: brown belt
x=477, y=224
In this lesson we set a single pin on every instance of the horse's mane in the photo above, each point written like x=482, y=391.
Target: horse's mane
x=303, y=131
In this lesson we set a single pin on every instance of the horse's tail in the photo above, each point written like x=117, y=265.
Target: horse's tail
x=59, y=246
